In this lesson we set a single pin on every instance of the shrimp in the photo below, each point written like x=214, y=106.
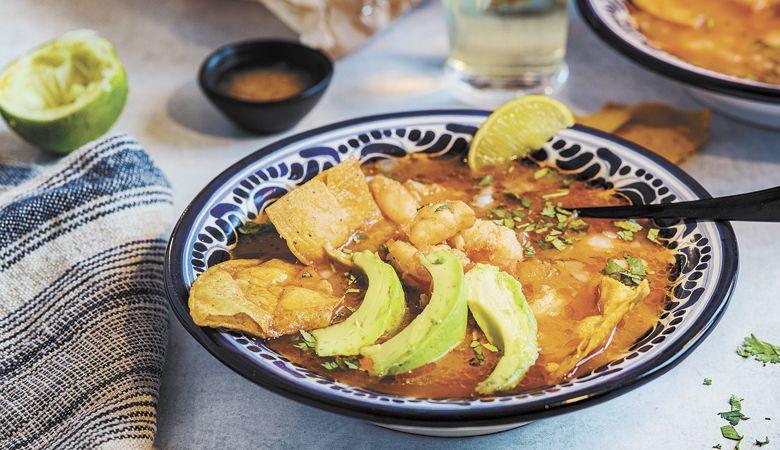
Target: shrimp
x=495, y=243
x=438, y=222
x=394, y=200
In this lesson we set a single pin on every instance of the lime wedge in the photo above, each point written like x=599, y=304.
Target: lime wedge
x=517, y=128
x=64, y=93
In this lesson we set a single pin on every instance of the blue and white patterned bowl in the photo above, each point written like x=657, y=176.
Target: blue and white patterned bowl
x=705, y=271
x=740, y=98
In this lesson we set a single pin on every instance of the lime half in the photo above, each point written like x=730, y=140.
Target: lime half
x=65, y=93
x=517, y=128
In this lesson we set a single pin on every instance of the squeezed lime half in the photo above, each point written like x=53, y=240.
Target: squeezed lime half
x=64, y=93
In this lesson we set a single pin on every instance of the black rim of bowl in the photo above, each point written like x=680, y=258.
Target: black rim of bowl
x=695, y=79
x=237, y=47
x=385, y=413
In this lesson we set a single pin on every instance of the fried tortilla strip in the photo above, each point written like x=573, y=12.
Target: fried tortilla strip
x=611, y=117
x=324, y=211
x=615, y=300
x=670, y=132
x=348, y=184
x=266, y=299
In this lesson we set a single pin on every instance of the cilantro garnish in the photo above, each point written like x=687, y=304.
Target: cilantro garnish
x=707, y=382
x=626, y=235
x=442, y=207
x=254, y=228
x=717, y=446
x=549, y=210
x=330, y=365
x=652, y=236
x=557, y=193
x=308, y=341
x=479, y=357
x=539, y=174
x=360, y=237
x=487, y=181
x=762, y=351
x=634, y=274
x=762, y=443
x=628, y=225
x=529, y=250
x=352, y=291
x=353, y=364
x=729, y=432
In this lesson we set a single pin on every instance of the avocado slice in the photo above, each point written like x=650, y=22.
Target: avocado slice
x=381, y=311
x=436, y=330
x=498, y=305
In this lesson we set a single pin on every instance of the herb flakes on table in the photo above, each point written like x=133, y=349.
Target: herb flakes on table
x=762, y=351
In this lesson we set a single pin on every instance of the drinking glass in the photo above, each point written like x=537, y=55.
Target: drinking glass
x=507, y=47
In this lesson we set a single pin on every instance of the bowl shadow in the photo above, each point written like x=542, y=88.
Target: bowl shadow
x=188, y=107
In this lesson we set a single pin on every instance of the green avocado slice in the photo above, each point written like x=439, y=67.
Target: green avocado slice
x=435, y=331
x=498, y=305
x=381, y=311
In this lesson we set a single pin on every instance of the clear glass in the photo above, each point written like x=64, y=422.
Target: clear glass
x=507, y=47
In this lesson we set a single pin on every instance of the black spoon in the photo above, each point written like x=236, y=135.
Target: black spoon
x=759, y=206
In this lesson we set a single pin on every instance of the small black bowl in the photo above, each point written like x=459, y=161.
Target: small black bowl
x=265, y=117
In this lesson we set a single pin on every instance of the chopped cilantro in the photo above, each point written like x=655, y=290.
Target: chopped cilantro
x=717, y=446
x=529, y=250
x=558, y=244
x=498, y=213
x=525, y=202
x=539, y=174
x=487, y=181
x=567, y=182
x=652, y=235
x=557, y=193
x=578, y=224
x=254, y=228
x=707, y=382
x=509, y=222
x=628, y=225
x=729, y=432
x=549, y=210
x=762, y=443
x=490, y=347
x=330, y=365
x=762, y=351
x=634, y=274
x=360, y=237
x=626, y=235
x=352, y=291
x=306, y=275
x=352, y=364
x=479, y=357
x=308, y=339
x=442, y=207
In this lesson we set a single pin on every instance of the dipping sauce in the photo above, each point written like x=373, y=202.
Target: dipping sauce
x=265, y=84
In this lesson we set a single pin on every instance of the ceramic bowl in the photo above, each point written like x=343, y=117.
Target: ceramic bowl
x=705, y=269
x=265, y=117
x=739, y=98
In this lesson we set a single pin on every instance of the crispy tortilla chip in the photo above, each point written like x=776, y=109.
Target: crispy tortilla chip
x=611, y=117
x=670, y=132
x=348, y=184
x=324, y=211
x=309, y=217
x=266, y=299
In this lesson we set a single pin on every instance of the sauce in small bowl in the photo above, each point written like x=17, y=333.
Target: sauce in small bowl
x=265, y=86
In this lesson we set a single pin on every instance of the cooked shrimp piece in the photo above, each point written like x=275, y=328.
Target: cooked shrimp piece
x=405, y=257
x=438, y=222
x=424, y=193
x=487, y=241
x=394, y=200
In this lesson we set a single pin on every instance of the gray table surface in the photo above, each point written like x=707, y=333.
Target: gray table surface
x=205, y=405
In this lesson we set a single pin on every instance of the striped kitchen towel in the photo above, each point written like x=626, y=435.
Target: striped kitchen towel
x=83, y=321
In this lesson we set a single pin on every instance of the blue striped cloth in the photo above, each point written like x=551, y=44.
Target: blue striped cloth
x=83, y=321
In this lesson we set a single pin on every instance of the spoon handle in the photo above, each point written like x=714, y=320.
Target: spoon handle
x=759, y=206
